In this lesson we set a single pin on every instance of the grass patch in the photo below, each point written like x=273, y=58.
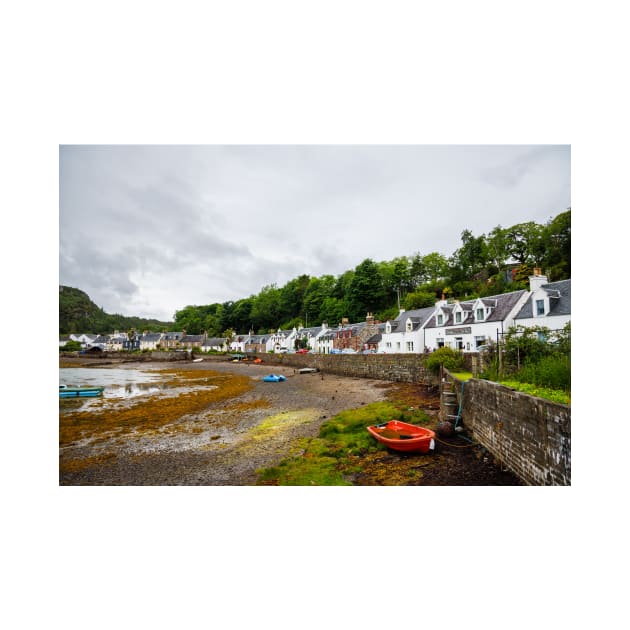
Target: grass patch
x=330, y=458
x=555, y=395
x=462, y=376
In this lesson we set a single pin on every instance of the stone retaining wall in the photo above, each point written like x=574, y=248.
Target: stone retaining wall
x=530, y=436
x=407, y=368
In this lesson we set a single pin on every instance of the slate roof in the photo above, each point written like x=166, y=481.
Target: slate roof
x=173, y=336
x=418, y=317
x=192, y=338
x=505, y=302
x=215, y=341
x=559, y=303
x=151, y=337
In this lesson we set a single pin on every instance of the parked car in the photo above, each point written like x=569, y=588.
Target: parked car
x=302, y=351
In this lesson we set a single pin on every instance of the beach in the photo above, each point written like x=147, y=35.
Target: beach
x=225, y=443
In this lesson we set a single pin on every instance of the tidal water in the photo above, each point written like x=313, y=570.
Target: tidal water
x=118, y=383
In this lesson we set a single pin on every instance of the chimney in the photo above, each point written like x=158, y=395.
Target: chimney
x=345, y=321
x=369, y=320
x=537, y=280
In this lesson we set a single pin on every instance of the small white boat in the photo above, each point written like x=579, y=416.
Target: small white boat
x=197, y=360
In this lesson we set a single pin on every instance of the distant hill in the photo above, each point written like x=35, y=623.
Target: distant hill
x=78, y=314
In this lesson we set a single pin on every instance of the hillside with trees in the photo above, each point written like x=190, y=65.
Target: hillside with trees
x=488, y=264
x=78, y=314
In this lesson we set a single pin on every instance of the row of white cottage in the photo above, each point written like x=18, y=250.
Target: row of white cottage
x=463, y=325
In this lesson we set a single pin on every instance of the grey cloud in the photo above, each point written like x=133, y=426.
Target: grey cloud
x=185, y=224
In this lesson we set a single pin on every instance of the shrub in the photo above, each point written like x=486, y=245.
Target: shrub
x=553, y=371
x=449, y=358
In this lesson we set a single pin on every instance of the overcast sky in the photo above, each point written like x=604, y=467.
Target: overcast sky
x=147, y=230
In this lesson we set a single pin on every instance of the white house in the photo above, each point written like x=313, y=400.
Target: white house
x=150, y=341
x=85, y=339
x=467, y=325
x=281, y=341
x=549, y=304
x=239, y=342
x=324, y=341
x=405, y=334
x=218, y=344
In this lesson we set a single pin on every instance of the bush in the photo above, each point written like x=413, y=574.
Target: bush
x=449, y=358
x=553, y=371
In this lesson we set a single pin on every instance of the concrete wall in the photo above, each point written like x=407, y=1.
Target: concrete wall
x=530, y=436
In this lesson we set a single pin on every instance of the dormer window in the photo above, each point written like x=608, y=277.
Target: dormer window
x=440, y=319
x=388, y=328
x=409, y=325
x=479, y=314
x=458, y=317
x=540, y=307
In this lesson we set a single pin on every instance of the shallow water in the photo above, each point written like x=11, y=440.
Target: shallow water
x=119, y=383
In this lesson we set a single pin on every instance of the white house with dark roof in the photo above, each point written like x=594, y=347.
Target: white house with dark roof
x=467, y=325
x=281, y=340
x=218, y=344
x=405, y=334
x=549, y=304
x=84, y=339
x=324, y=342
x=150, y=341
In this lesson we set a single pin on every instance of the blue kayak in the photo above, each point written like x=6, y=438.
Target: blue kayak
x=79, y=392
x=274, y=378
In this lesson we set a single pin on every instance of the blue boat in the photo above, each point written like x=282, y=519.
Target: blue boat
x=79, y=392
x=274, y=378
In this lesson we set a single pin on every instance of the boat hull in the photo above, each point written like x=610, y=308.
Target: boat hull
x=274, y=378
x=80, y=392
x=403, y=437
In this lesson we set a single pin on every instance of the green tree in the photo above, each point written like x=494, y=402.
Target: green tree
x=366, y=291
x=435, y=266
x=556, y=246
x=266, y=309
x=497, y=247
x=524, y=242
x=418, y=299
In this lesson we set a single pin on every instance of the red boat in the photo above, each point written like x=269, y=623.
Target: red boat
x=402, y=436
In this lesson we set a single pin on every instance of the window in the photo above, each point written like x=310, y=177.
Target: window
x=410, y=346
x=479, y=314
x=409, y=326
x=398, y=345
x=540, y=307
x=440, y=319
x=458, y=317
x=388, y=344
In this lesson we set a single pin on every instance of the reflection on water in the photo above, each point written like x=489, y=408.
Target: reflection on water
x=119, y=384
x=123, y=387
